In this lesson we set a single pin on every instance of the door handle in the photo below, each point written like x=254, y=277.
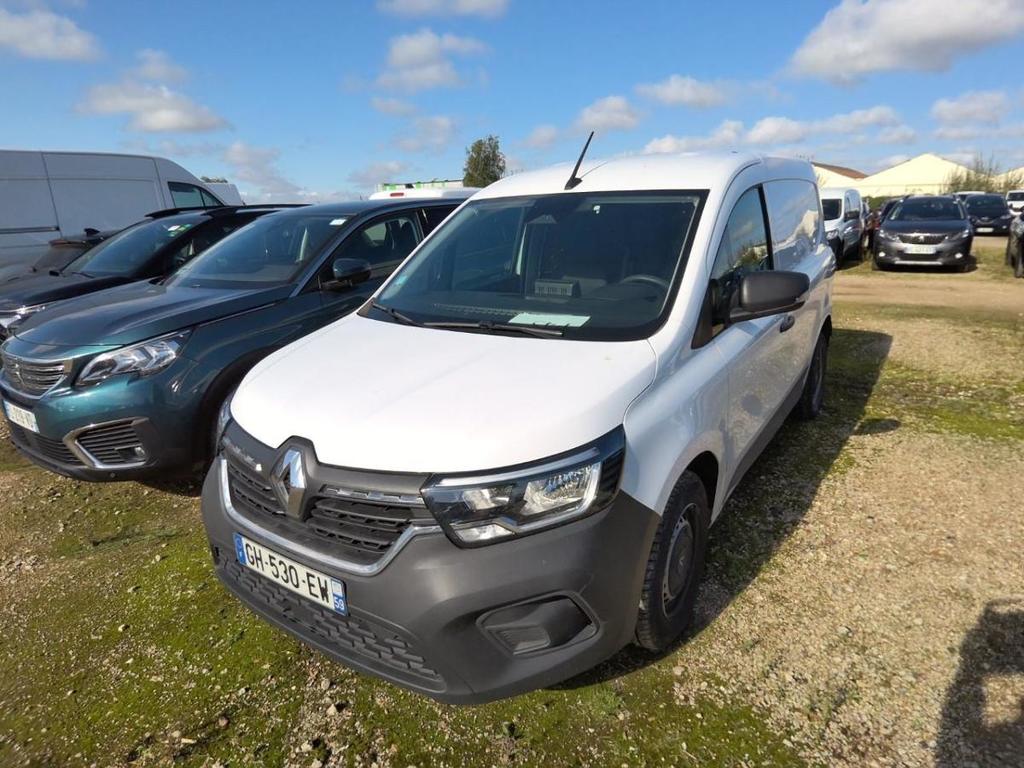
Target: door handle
x=787, y=322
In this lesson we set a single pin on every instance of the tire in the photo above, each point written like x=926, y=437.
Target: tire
x=876, y=266
x=813, y=396
x=1018, y=266
x=675, y=566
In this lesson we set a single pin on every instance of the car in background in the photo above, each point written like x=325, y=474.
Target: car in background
x=844, y=225
x=128, y=382
x=425, y=193
x=60, y=252
x=875, y=220
x=1015, y=246
x=1015, y=201
x=44, y=195
x=925, y=230
x=151, y=248
x=963, y=194
x=988, y=213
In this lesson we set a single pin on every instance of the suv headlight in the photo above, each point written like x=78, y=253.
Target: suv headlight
x=13, y=317
x=886, y=235
x=144, y=358
x=965, y=232
x=223, y=419
x=480, y=509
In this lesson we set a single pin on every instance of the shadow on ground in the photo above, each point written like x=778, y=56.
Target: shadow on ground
x=778, y=490
x=983, y=717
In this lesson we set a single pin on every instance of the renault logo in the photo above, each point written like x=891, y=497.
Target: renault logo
x=289, y=482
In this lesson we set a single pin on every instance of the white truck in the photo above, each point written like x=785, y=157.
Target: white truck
x=49, y=195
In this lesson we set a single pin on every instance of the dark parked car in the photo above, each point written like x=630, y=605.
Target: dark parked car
x=129, y=382
x=1015, y=246
x=989, y=214
x=151, y=248
x=925, y=231
x=61, y=252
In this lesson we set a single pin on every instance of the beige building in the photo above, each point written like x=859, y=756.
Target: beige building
x=836, y=175
x=927, y=174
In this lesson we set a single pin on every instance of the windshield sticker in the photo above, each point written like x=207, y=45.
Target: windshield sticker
x=542, y=318
x=337, y=222
x=177, y=229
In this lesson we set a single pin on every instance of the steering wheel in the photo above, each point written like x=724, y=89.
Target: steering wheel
x=649, y=279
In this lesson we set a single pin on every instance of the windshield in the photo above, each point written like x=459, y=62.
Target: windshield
x=590, y=266
x=271, y=251
x=926, y=208
x=986, y=205
x=831, y=208
x=130, y=251
x=1015, y=196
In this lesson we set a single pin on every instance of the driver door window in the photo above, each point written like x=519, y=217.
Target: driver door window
x=383, y=243
x=743, y=249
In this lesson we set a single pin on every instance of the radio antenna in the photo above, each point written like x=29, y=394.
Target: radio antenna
x=574, y=180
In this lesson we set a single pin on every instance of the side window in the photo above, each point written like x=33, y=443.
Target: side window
x=744, y=248
x=209, y=200
x=202, y=238
x=186, y=195
x=435, y=215
x=383, y=243
x=794, y=213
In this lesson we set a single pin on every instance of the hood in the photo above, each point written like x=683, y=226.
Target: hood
x=932, y=226
x=28, y=288
x=136, y=312
x=376, y=395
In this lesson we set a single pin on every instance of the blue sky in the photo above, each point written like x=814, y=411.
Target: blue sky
x=317, y=100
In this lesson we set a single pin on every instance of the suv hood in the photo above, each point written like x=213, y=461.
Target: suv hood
x=28, y=288
x=933, y=226
x=375, y=395
x=132, y=313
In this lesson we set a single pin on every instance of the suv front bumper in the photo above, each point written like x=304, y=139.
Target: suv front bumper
x=945, y=254
x=436, y=617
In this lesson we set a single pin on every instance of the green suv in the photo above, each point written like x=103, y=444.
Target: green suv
x=128, y=382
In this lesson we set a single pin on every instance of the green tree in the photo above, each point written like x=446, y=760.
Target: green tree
x=485, y=163
x=983, y=175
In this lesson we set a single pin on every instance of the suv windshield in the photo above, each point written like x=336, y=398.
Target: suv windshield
x=831, y=208
x=1015, y=196
x=589, y=266
x=986, y=205
x=925, y=208
x=271, y=251
x=129, y=251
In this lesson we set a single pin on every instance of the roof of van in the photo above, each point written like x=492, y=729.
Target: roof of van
x=690, y=170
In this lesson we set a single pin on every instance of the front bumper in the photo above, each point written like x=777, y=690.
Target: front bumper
x=997, y=227
x=427, y=620
x=945, y=254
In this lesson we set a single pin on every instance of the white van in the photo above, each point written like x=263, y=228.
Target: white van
x=503, y=468
x=48, y=195
x=1015, y=201
x=844, y=221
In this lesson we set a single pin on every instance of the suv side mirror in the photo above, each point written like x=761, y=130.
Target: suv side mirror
x=761, y=294
x=348, y=273
x=852, y=215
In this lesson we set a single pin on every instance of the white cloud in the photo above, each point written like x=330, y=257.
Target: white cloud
x=981, y=107
x=777, y=130
x=862, y=37
x=485, y=8
x=159, y=67
x=728, y=133
x=612, y=113
x=256, y=170
x=680, y=90
x=897, y=134
x=428, y=133
x=857, y=120
x=40, y=34
x=420, y=61
x=542, y=137
x=152, y=108
x=394, y=107
x=375, y=173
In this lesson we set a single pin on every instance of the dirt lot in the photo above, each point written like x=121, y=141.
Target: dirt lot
x=864, y=603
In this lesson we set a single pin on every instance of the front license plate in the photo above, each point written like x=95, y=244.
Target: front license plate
x=920, y=249
x=23, y=417
x=983, y=229
x=285, y=572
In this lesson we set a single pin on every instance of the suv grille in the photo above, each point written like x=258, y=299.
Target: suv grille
x=349, y=636
x=113, y=444
x=30, y=377
x=922, y=239
x=52, y=450
x=363, y=529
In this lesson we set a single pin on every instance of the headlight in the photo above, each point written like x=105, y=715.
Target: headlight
x=965, y=232
x=886, y=235
x=481, y=509
x=144, y=358
x=13, y=317
x=223, y=419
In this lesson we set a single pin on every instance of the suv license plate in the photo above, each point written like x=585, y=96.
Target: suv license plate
x=285, y=572
x=23, y=417
x=920, y=249
x=983, y=229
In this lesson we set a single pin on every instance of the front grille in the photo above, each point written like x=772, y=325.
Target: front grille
x=30, y=377
x=923, y=239
x=113, y=444
x=360, y=530
x=52, y=450
x=354, y=637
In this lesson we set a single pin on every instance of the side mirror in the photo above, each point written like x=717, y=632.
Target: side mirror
x=851, y=215
x=761, y=294
x=348, y=273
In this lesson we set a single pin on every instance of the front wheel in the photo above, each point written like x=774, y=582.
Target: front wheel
x=813, y=396
x=674, y=566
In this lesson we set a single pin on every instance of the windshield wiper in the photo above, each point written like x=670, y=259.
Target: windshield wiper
x=83, y=274
x=489, y=327
x=404, y=319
